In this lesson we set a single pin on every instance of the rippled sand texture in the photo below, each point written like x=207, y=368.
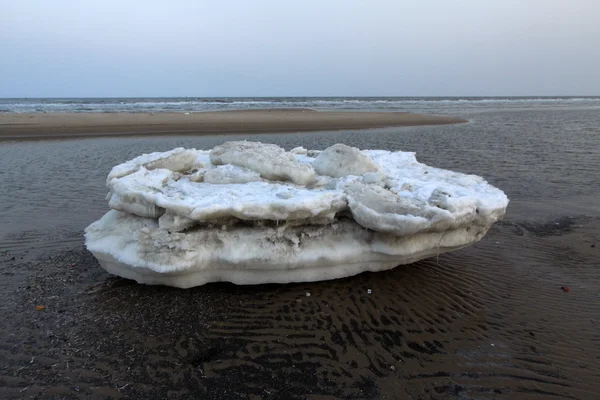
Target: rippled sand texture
x=480, y=323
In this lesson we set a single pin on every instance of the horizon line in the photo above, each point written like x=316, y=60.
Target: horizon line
x=300, y=96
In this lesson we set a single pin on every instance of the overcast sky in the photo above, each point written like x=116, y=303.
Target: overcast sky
x=60, y=48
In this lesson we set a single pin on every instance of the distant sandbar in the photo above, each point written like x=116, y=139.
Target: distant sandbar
x=74, y=125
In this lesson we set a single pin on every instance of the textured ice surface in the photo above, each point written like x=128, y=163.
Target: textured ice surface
x=204, y=202
x=136, y=248
x=250, y=213
x=224, y=174
x=269, y=160
x=178, y=159
x=341, y=160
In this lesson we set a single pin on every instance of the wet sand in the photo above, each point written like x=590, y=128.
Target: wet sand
x=439, y=328
x=489, y=322
x=64, y=125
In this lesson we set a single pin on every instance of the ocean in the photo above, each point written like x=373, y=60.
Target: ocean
x=450, y=105
x=489, y=321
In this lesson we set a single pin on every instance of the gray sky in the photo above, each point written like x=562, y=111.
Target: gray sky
x=63, y=48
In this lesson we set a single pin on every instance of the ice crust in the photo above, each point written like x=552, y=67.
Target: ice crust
x=249, y=213
x=269, y=160
x=341, y=160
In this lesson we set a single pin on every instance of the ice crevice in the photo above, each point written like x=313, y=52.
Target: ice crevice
x=248, y=213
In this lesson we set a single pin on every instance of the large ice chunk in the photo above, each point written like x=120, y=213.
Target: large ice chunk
x=253, y=213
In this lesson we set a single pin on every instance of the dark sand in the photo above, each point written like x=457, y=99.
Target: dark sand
x=439, y=328
x=59, y=125
x=487, y=322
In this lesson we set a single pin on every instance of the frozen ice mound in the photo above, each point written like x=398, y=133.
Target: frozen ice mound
x=249, y=213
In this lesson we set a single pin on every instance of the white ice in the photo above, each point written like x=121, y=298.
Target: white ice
x=341, y=160
x=269, y=160
x=178, y=159
x=251, y=213
x=202, y=201
x=136, y=248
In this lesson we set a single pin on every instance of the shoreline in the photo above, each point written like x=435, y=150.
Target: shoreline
x=39, y=126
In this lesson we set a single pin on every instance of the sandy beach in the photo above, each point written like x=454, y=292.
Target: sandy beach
x=72, y=125
x=513, y=316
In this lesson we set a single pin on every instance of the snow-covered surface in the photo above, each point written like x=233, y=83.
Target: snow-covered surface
x=248, y=213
